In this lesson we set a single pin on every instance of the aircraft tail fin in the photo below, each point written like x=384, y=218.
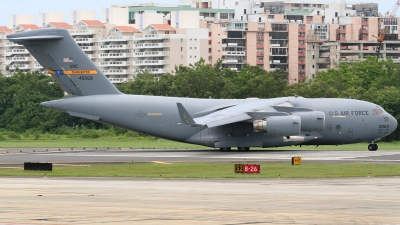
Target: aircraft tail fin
x=60, y=55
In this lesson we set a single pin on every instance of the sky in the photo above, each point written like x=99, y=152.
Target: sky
x=34, y=7
x=13, y=7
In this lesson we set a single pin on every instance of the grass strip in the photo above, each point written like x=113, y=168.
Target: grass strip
x=213, y=170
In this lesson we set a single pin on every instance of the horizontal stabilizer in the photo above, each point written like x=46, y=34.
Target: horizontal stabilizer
x=291, y=109
x=36, y=38
x=185, y=116
x=82, y=115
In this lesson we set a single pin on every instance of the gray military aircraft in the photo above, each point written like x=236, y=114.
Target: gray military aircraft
x=218, y=123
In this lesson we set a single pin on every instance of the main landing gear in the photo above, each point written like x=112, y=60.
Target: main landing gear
x=240, y=149
x=372, y=147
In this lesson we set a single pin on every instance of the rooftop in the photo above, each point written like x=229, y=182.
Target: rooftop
x=126, y=29
x=162, y=26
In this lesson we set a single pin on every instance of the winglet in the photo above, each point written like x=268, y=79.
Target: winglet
x=185, y=116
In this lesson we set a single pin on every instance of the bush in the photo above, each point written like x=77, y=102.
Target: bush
x=13, y=135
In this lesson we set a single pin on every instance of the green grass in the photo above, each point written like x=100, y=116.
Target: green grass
x=214, y=170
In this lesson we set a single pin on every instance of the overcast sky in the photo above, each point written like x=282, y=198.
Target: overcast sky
x=13, y=7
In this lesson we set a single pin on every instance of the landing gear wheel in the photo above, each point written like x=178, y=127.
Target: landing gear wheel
x=243, y=149
x=225, y=149
x=372, y=147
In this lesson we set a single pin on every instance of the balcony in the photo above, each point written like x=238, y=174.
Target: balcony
x=302, y=38
x=260, y=46
x=113, y=55
x=260, y=62
x=342, y=31
x=111, y=47
x=16, y=51
x=113, y=63
x=302, y=70
x=114, y=72
x=237, y=53
x=149, y=37
x=364, y=23
x=152, y=70
x=363, y=31
x=230, y=61
x=110, y=39
x=260, y=54
x=302, y=46
x=302, y=30
x=80, y=32
x=118, y=80
x=301, y=54
x=149, y=45
x=38, y=66
x=324, y=60
x=302, y=62
x=17, y=59
x=84, y=40
x=149, y=62
x=87, y=48
x=20, y=66
x=12, y=44
x=149, y=54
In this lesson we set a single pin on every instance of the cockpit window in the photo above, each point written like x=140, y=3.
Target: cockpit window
x=377, y=111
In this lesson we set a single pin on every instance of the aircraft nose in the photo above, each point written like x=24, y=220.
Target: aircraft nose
x=46, y=104
x=392, y=123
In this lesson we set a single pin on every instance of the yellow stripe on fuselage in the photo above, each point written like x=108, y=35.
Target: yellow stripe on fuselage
x=80, y=72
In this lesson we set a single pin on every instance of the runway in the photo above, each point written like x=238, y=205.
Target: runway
x=59, y=201
x=77, y=156
x=196, y=201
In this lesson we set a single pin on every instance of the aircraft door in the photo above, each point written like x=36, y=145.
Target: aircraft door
x=350, y=132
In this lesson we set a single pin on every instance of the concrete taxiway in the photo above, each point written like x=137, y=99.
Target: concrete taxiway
x=197, y=201
x=19, y=156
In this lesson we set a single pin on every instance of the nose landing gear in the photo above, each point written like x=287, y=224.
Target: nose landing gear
x=372, y=147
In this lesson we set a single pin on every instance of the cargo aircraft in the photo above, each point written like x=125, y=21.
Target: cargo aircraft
x=217, y=123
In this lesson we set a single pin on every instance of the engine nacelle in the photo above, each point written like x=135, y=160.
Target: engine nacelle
x=312, y=121
x=279, y=125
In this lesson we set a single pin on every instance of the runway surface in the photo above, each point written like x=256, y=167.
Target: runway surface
x=19, y=156
x=56, y=201
x=196, y=201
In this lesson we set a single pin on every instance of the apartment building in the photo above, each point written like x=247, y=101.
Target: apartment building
x=3, y=32
x=185, y=15
x=300, y=37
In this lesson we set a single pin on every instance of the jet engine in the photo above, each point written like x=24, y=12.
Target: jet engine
x=279, y=125
x=312, y=121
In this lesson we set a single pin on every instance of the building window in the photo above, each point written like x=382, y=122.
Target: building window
x=181, y=49
x=223, y=16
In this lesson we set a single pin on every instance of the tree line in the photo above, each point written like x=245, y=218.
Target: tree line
x=371, y=80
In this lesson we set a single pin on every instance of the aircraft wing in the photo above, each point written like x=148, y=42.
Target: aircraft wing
x=237, y=113
x=247, y=111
